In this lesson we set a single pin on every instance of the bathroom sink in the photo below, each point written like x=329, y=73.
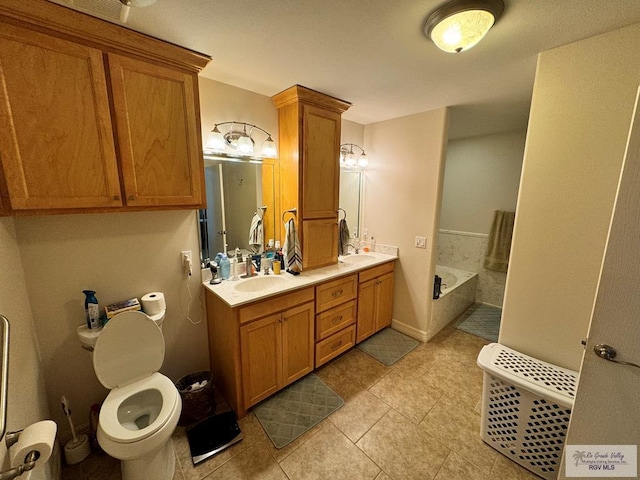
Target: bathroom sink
x=355, y=258
x=258, y=284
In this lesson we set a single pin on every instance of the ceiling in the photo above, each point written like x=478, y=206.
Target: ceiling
x=375, y=55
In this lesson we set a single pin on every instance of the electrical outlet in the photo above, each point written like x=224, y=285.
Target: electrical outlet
x=421, y=242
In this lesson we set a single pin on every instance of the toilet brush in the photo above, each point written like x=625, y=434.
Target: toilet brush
x=76, y=449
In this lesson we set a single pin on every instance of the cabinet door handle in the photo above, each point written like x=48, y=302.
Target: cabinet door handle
x=337, y=320
x=116, y=197
x=336, y=345
x=131, y=197
x=337, y=293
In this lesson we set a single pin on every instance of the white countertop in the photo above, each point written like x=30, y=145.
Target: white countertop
x=230, y=290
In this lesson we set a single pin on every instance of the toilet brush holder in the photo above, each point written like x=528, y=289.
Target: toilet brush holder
x=76, y=450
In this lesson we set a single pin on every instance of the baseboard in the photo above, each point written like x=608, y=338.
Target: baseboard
x=409, y=330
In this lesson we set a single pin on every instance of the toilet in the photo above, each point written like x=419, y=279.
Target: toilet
x=142, y=409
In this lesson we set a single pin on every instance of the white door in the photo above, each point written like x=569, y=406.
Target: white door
x=607, y=406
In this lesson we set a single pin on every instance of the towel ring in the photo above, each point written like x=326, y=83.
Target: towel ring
x=343, y=211
x=291, y=210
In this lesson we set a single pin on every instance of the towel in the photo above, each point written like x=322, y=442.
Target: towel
x=499, y=247
x=291, y=249
x=256, y=234
x=344, y=237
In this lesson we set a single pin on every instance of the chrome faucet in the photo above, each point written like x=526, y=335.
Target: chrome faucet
x=357, y=250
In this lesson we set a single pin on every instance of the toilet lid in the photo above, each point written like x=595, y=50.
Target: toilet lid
x=129, y=347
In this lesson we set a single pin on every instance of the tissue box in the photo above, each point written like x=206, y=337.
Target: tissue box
x=124, y=306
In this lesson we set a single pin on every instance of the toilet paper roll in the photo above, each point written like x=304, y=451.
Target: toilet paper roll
x=153, y=303
x=39, y=436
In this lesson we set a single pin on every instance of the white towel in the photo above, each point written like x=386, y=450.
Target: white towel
x=256, y=234
x=291, y=249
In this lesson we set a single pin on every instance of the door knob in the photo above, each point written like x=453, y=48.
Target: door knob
x=609, y=353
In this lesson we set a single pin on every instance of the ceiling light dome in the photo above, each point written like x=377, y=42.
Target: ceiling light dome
x=458, y=25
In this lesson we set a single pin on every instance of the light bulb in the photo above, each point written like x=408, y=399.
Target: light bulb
x=363, y=161
x=245, y=144
x=269, y=148
x=215, y=140
x=350, y=160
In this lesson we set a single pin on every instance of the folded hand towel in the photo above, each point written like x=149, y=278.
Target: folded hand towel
x=291, y=249
x=344, y=237
x=499, y=246
x=256, y=234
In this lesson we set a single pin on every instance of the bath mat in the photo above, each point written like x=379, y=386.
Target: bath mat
x=481, y=321
x=388, y=346
x=296, y=409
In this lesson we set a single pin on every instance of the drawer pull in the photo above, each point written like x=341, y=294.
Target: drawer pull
x=337, y=320
x=336, y=345
x=337, y=293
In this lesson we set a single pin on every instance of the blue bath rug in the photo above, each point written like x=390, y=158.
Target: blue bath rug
x=296, y=409
x=481, y=321
x=388, y=346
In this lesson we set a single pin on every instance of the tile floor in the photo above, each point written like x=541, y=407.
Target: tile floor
x=417, y=419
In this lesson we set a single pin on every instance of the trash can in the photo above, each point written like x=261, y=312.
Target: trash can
x=196, y=392
x=526, y=405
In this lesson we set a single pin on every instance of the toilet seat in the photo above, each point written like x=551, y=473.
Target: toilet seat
x=131, y=346
x=127, y=356
x=111, y=426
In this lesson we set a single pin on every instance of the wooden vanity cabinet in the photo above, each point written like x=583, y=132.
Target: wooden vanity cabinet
x=259, y=348
x=309, y=127
x=95, y=117
x=375, y=300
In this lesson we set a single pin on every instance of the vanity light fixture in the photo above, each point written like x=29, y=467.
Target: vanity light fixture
x=237, y=137
x=458, y=25
x=348, y=158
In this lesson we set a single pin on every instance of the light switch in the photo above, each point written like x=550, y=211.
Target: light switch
x=421, y=242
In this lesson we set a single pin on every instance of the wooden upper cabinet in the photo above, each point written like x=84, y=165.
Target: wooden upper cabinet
x=157, y=132
x=95, y=117
x=56, y=140
x=309, y=124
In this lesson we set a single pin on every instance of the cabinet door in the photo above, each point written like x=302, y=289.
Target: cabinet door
x=56, y=141
x=297, y=342
x=261, y=353
x=320, y=162
x=158, y=133
x=319, y=242
x=384, y=301
x=366, y=325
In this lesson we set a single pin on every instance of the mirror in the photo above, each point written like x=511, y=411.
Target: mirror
x=351, y=189
x=237, y=189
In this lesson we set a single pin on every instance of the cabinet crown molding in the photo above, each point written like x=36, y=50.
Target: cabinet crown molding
x=42, y=14
x=298, y=93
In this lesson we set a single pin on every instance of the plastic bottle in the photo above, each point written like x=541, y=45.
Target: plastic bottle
x=225, y=267
x=92, y=309
x=372, y=244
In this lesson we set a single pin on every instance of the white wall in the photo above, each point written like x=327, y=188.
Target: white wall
x=26, y=395
x=403, y=183
x=581, y=110
x=482, y=174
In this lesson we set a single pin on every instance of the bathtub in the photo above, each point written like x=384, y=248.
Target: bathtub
x=458, y=294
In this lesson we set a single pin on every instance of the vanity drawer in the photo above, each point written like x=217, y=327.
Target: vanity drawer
x=334, y=345
x=336, y=292
x=262, y=308
x=334, y=320
x=377, y=271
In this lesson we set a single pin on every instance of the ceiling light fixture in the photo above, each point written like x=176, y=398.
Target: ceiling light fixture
x=237, y=138
x=458, y=25
x=348, y=158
